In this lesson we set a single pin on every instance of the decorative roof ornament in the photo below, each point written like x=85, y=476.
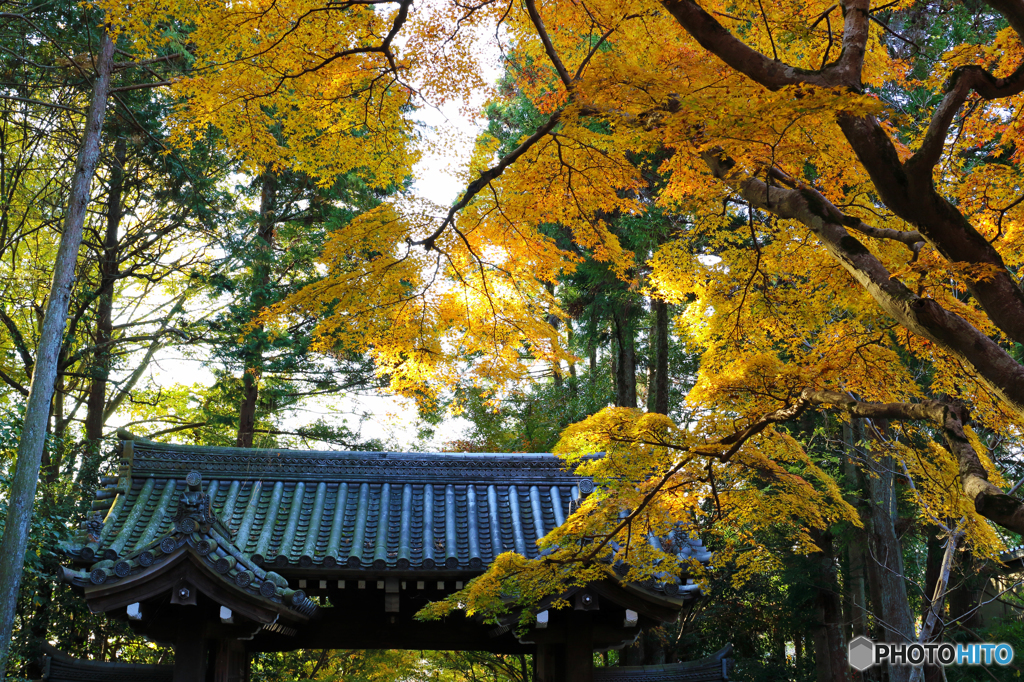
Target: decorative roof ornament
x=194, y=511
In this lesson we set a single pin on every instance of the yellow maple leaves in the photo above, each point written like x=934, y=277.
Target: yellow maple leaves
x=432, y=294
x=295, y=85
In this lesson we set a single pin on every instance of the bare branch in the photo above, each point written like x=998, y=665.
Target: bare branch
x=50, y=105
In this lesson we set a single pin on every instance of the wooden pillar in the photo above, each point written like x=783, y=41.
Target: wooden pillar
x=579, y=648
x=545, y=663
x=231, y=663
x=190, y=655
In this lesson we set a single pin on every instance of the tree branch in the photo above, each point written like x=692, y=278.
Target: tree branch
x=989, y=501
x=19, y=341
x=908, y=190
x=961, y=83
x=486, y=177
x=7, y=379
x=549, y=48
x=771, y=73
x=922, y=316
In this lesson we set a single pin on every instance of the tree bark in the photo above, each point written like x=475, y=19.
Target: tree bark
x=924, y=317
x=856, y=578
x=30, y=446
x=885, y=563
x=906, y=187
x=96, y=401
x=933, y=570
x=938, y=580
x=261, y=280
x=829, y=642
x=625, y=368
x=573, y=379
x=950, y=418
x=964, y=598
x=659, y=387
x=556, y=323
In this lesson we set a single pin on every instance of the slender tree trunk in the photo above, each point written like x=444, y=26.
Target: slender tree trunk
x=96, y=402
x=625, y=374
x=963, y=599
x=660, y=388
x=46, y=466
x=779, y=645
x=261, y=280
x=39, y=628
x=931, y=626
x=935, y=572
x=556, y=323
x=615, y=364
x=30, y=446
x=573, y=383
x=652, y=361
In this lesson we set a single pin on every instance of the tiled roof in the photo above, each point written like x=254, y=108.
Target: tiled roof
x=711, y=669
x=1013, y=558
x=250, y=515
x=357, y=510
x=59, y=667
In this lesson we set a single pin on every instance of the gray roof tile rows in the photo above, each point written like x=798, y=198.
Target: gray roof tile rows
x=407, y=516
x=248, y=514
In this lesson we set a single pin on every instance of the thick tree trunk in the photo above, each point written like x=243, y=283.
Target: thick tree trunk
x=96, y=402
x=30, y=446
x=829, y=643
x=261, y=280
x=625, y=367
x=885, y=562
x=856, y=577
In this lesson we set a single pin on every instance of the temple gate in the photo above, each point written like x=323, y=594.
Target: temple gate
x=223, y=552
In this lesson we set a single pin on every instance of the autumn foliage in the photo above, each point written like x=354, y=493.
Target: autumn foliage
x=845, y=209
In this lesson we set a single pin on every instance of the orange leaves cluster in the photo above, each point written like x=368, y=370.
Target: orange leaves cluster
x=425, y=316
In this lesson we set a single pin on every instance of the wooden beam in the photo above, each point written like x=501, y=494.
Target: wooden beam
x=169, y=574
